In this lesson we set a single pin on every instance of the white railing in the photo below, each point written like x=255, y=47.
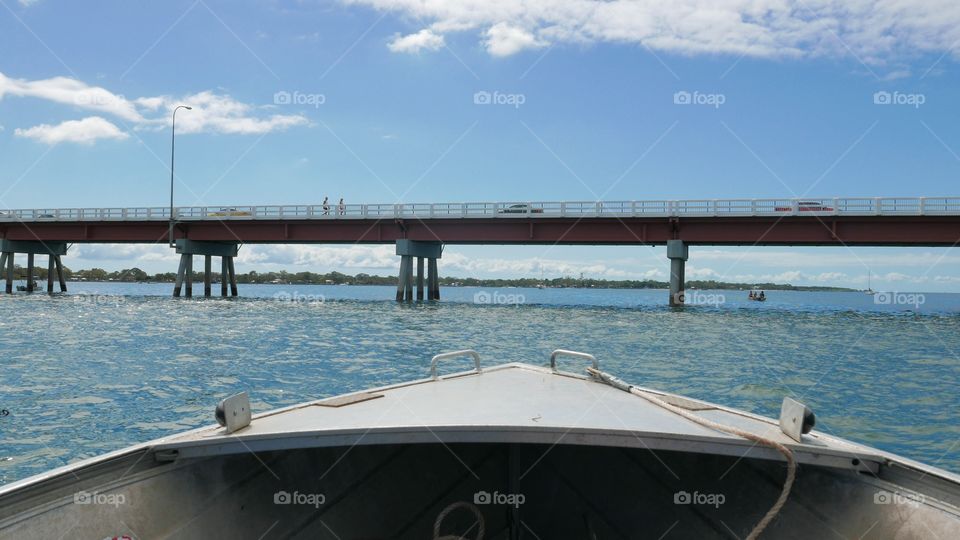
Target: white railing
x=850, y=206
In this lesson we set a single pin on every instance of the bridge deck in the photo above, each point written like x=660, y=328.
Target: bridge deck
x=849, y=206
x=835, y=221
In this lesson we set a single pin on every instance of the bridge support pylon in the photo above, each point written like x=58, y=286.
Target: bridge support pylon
x=53, y=250
x=407, y=250
x=225, y=250
x=677, y=252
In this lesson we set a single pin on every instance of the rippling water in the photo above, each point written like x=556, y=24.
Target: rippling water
x=83, y=374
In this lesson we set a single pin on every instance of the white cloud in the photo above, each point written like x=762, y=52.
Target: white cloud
x=414, y=43
x=873, y=30
x=212, y=113
x=129, y=254
x=889, y=280
x=897, y=75
x=218, y=113
x=86, y=131
x=504, y=40
x=150, y=103
x=381, y=260
x=860, y=260
x=285, y=256
x=695, y=272
x=462, y=265
x=69, y=91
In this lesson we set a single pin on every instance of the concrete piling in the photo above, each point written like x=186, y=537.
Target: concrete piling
x=233, y=277
x=434, y=280
x=224, y=276
x=188, y=276
x=59, y=264
x=53, y=250
x=8, y=274
x=50, y=266
x=207, y=270
x=677, y=252
x=419, y=279
x=30, y=284
x=402, y=280
x=178, y=283
x=408, y=281
x=427, y=254
x=225, y=250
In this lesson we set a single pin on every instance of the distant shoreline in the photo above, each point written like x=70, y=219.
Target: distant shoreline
x=782, y=287
x=135, y=275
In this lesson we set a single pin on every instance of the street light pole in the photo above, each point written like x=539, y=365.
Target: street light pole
x=173, y=134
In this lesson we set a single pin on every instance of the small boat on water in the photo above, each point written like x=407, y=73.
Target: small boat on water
x=870, y=290
x=757, y=295
x=513, y=451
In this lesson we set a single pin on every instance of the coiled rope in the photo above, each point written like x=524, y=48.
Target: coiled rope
x=450, y=508
x=787, y=453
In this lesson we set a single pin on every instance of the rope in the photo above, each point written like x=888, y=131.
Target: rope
x=787, y=453
x=450, y=508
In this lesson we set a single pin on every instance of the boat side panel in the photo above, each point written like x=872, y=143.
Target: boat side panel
x=555, y=491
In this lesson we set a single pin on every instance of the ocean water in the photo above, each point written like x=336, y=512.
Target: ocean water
x=109, y=365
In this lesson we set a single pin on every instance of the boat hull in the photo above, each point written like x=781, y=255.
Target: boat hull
x=398, y=491
x=517, y=450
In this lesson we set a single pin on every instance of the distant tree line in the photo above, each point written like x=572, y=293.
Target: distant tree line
x=136, y=275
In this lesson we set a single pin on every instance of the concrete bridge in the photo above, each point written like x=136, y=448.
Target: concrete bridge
x=420, y=230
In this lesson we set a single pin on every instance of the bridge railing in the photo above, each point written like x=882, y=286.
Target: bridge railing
x=852, y=206
x=940, y=205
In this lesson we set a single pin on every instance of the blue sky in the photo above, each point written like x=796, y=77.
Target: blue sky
x=384, y=110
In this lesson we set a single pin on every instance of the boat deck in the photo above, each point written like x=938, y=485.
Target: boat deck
x=513, y=403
